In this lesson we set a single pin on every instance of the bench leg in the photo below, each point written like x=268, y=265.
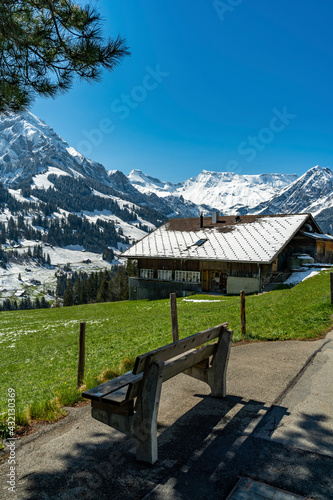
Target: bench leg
x=145, y=419
x=217, y=374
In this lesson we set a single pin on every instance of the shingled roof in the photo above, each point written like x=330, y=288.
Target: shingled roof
x=248, y=238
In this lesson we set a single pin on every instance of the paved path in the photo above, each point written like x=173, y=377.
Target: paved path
x=275, y=426
x=309, y=422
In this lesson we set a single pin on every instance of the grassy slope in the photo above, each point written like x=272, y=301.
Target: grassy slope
x=38, y=349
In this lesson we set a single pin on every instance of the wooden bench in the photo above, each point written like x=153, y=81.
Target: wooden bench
x=129, y=403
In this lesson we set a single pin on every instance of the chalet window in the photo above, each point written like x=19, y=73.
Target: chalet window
x=193, y=277
x=188, y=276
x=164, y=274
x=147, y=273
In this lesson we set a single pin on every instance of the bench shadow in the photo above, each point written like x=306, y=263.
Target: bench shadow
x=301, y=462
x=105, y=466
x=203, y=453
x=238, y=453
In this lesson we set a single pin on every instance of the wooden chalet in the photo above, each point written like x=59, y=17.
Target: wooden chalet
x=224, y=254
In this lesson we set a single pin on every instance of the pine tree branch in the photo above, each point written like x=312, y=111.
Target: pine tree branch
x=45, y=43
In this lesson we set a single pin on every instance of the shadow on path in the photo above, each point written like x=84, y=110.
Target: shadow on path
x=200, y=457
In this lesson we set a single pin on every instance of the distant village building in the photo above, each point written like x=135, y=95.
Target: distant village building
x=224, y=254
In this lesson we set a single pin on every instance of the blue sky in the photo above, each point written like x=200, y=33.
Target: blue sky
x=234, y=85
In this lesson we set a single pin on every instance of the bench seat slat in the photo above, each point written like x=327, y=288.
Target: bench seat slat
x=172, y=350
x=117, y=398
x=111, y=386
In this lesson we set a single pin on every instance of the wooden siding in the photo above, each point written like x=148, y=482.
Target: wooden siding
x=214, y=274
x=231, y=269
x=324, y=250
x=320, y=248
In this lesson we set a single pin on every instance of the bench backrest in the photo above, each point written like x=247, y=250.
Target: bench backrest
x=176, y=348
x=183, y=354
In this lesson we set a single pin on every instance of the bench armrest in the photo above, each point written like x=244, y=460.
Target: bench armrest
x=102, y=390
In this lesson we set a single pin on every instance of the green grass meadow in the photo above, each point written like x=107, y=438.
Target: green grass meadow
x=39, y=348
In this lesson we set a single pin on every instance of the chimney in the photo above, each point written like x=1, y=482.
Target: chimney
x=201, y=220
x=215, y=216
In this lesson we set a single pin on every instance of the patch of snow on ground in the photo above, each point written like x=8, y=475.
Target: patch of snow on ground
x=60, y=256
x=101, y=195
x=16, y=193
x=302, y=275
x=200, y=300
x=30, y=272
x=147, y=223
x=130, y=231
x=97, y=214
x=76, y=174
x=41, y=180
x=79, y=248
x=121, y=246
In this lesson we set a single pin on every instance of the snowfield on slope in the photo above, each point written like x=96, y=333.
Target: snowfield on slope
x=36, y=280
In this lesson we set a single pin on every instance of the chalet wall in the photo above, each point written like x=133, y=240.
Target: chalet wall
x=235, y=285
x=231, y=269
x=140, y=289
x=301, y=244
x=215, y=276
x=324, y=251
x=321, y=251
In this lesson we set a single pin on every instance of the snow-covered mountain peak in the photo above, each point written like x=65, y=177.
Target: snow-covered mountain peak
x=29, y=147
x=312, y=192
x=225, y=191
x=138, y=177
x=26, y=125
x=317, y=172
x=319, y=179
x=33, y=155
x=147, y=184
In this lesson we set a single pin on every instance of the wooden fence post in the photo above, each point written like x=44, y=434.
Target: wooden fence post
x=80, y=368
x=174, y=318
x=331, y=280
x=243, y=320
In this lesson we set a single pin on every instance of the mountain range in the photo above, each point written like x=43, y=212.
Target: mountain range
x=38, y=167
x=224, y=191
x=231, y=193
